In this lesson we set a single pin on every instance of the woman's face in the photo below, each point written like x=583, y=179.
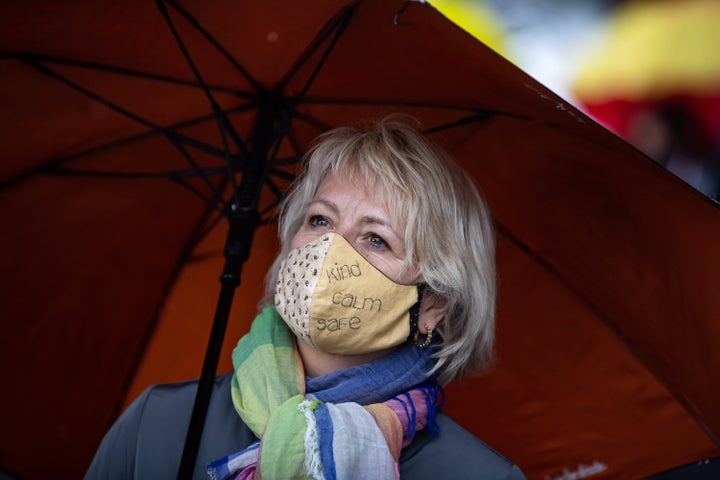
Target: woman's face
x=356, y=213
x=352, y=211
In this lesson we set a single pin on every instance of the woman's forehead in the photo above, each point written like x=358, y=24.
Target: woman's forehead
x=390, y=197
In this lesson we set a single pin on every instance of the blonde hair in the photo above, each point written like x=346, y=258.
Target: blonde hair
x=448, y=232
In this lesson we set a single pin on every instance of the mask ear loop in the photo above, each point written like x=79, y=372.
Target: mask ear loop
x=415, y=314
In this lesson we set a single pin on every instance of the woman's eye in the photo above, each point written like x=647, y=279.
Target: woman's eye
x=318, y=221
x=377, y=241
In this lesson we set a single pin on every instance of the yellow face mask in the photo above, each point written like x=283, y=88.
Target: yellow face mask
x=336, y=301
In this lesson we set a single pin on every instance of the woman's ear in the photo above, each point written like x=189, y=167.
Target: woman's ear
x=433, y=309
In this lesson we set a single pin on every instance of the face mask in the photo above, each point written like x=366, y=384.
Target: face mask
x=336, y=301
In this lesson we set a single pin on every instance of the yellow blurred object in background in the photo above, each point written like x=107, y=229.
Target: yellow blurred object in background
x=653, y=49
x=476, y=18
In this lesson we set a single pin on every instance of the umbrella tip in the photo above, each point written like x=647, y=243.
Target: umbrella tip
x=396, y=18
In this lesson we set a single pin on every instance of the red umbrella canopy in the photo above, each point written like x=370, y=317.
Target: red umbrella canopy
x=126, y=124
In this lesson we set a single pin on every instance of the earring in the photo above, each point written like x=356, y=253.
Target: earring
x=428, y=337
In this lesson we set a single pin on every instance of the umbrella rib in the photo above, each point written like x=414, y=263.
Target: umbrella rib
x=270, y=208
x=174, y=137
x=292, y=139
x=278, y=195
x=282, y=132
x=477, y=115
x=480, y=116
x=53, y=164
x=273, y=188
x=47, y=59
x=274, y=204
x=401, y=103
x=172, y=176
x=198, y=236
x=99, y=173
x=216, y=194
x=235, y=63
x=224, y=124
x=344, y=20
x=322, y=127
x=211, y=202
x=52, y=73
x=279, y=162
x=205, y=147
x=335, y=25
x=165, y=131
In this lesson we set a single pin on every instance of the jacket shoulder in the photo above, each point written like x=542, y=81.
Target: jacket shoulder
x=148, y=439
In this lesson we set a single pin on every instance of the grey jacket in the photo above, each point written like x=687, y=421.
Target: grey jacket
x=147, y=441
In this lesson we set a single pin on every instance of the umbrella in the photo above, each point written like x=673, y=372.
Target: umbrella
x=655, y=80
x=126, y=123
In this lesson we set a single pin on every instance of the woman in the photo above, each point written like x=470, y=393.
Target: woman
x=383, y=292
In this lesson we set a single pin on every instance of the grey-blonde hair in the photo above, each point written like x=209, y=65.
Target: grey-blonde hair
x=448, y=233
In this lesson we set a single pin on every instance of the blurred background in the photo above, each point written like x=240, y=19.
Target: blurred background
x=648, y=70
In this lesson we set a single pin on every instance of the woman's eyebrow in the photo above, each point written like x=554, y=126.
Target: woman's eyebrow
x=323, y=201
x=373, y=220
x=365, y=219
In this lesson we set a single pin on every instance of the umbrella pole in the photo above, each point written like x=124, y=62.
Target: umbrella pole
x=243, y=223
x=244, y=218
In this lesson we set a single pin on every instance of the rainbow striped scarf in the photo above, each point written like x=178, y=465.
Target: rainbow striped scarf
x=351, y=423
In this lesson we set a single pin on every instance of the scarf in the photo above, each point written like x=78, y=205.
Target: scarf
x=351, y=423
